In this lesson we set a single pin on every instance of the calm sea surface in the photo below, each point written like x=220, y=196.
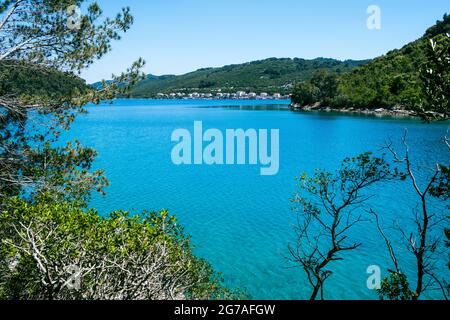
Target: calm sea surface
x=239, y=220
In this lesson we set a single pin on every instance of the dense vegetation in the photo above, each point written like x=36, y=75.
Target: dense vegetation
x=270, y=75
x=60, y=251
x=17, y=78
x=51, y=245
x=392, y=81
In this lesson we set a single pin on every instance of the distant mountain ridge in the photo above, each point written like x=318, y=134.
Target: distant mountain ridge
x=270, y=75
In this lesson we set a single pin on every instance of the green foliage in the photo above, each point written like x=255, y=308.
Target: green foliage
x=395, y=287
x=206, y=84
x=389, y=81
x=401, y=79
x=327, y=202
x=354, y=174
x=326, y=83
x=270, y=75
x=305, y=94
x=45, y=229
x=441, y=27
x=441, y=187
x=321, y=87
x=60, y=169
x=435, y=78
x=38, y=31
x=20, y=79
x=40, y=95
x=39, y=241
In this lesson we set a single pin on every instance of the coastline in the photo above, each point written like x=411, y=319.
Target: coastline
x=376, y=112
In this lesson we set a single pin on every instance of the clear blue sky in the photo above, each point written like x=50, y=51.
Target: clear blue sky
x=178, y=36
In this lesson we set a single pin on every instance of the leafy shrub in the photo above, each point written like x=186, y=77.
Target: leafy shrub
x=47, y=248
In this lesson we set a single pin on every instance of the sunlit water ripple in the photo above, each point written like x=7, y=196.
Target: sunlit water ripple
x=240, y=221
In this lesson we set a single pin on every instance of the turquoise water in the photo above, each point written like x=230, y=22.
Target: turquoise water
x=240, y=221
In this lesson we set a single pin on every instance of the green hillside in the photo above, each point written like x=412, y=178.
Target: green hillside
x=390, y=81
x=18, y=79
x=270, y=75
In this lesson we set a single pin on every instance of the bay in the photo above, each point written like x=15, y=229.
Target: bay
x=241, y=221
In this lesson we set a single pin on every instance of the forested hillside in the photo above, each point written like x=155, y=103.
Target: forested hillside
x=270, y=75
x=18, y=79
x=390, y=81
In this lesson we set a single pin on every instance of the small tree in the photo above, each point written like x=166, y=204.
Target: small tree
x=327, y=205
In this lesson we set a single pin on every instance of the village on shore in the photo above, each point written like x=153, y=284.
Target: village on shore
x=239, y=95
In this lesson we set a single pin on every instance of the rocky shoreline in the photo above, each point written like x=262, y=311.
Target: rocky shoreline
x=377, y=112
